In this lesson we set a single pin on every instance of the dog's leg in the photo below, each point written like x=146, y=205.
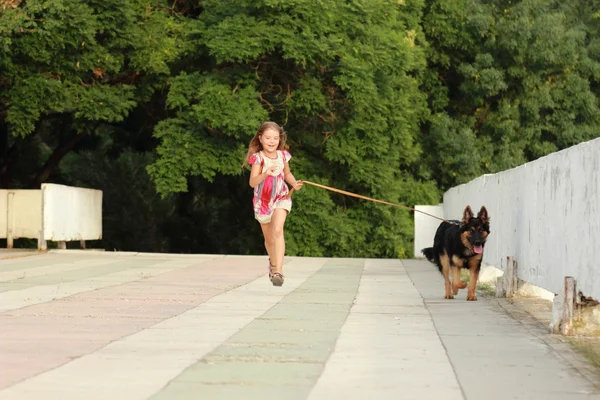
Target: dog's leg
x=457, y=284
x=445, y=261
x=474, y=273
x=474, y=267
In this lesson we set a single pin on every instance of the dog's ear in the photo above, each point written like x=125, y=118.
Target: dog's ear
x=483, y=214
x=467, y=215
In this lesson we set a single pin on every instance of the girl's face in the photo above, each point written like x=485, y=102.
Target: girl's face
x=270, y=140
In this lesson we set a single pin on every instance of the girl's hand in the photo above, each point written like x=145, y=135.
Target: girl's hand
x=271, y=170
x=298, y=185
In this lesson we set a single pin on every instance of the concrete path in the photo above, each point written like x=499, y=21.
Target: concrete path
x=87, y=325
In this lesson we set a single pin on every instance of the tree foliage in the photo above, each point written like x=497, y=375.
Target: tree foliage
x=509, y=81
x=155, y=102
x=69, y=67
x=343, y=78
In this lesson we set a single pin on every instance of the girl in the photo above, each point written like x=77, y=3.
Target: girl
x=271, y=200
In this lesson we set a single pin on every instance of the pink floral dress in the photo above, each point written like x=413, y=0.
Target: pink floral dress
x=273, y=192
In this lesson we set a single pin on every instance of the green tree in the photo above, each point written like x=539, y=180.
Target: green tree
x=71, y=68
x=508, y=82
x=134, y=217
x=390, y=99
x=342, y=77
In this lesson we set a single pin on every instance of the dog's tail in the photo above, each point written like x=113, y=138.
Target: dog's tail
x=429, y=254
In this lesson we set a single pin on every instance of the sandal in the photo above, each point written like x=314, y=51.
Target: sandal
x=277, y=279
x=271, y=268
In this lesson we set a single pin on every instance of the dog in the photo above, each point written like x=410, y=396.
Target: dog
x=459, y=245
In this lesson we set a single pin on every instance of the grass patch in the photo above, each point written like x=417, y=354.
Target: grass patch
x=486, y=289
x=588, y=347
x=464, y=275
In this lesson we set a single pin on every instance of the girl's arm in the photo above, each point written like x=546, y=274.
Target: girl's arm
x=289, y=177
x=256, y=177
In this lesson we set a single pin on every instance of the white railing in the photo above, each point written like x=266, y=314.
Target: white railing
x=20, y=214
x=425, y=226
x=54, y=213
x=545, y=214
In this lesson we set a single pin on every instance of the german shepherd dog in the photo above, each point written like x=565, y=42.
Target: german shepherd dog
x=460, y=245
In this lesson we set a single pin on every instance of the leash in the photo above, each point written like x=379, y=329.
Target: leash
x=369, y=199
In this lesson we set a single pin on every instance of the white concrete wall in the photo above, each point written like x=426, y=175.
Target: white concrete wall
x=71, y=213
x=20, y=210
x=425, y=227
x=27, y=213
x=3, y=213
x=546, y=214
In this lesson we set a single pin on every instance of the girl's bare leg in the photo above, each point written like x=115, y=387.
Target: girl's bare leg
x=277, y=222
x=266, y=229
x=269, y=243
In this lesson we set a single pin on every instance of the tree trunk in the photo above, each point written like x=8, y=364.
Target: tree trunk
x=62, y=150
x=8, y=156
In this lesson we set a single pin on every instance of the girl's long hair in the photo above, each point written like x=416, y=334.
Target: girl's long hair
x=255, y=145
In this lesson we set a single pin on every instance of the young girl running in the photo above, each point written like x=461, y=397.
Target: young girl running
x=272, y=203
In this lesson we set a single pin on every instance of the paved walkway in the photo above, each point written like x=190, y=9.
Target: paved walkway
x=87, y=325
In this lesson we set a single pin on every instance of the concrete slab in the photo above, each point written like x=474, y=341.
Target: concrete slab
x=93, y=325
x=6, y=254
x=493, y=355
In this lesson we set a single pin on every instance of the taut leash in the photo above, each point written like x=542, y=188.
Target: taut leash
x=370, y=199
